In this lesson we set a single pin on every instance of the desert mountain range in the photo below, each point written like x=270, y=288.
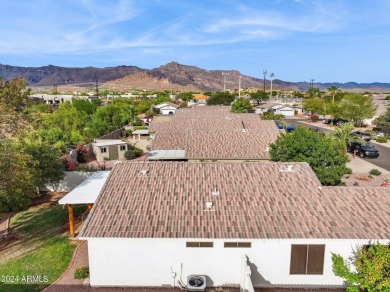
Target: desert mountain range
x=172, y=76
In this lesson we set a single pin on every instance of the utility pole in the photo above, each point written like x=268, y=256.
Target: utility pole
x=271, y=75
x=312, y=83
x=239, y=86
x=265, y=74
x=97, y=88
x=224, y=74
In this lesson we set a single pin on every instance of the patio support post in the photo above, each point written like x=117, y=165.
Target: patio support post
x=71, y=221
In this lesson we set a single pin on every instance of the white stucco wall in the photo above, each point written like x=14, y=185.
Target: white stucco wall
x=148, y=262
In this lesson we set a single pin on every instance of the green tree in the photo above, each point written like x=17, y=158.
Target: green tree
x=46, y=162
x=315, y=105
x=356, y=107
x=312, y=92
x=16, y=177
x=221, y=98
x=241, y=105
x=325, y=155
x=13, y=96
x=83, y=105
x=186, y=96
x=259, y=96
x=14, y=93
x=298, y=94
x=333, y=90
x=345, y=134
x=371, y=271
x=384, y=119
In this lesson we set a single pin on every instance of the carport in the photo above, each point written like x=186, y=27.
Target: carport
x=84, y=194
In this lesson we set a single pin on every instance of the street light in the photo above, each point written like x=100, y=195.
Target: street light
x=265, y=74
x=271, y=75
x=224, y=74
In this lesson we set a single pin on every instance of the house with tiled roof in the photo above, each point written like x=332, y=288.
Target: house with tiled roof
x=235, y=224
x=166, y=108
x=213, y=133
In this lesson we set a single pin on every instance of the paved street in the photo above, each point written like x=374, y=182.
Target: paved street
x=384, y=152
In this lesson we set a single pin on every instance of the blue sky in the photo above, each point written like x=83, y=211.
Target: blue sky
x=298, y=40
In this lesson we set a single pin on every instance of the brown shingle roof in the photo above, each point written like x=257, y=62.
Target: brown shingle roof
x=231, y=144
x=255, y=200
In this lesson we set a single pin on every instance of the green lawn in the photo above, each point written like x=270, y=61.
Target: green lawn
x=49, y=252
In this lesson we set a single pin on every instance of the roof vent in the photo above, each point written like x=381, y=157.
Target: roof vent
x=244, y=130
x=228, y=118
x=290, y=168
x=209, y=205
x=144, y=172
x=267, y=149
x=215, y=192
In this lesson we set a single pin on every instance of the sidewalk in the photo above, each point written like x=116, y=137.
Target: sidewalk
x=359, y=165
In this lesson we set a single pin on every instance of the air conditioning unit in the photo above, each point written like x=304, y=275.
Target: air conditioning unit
x=196, y=283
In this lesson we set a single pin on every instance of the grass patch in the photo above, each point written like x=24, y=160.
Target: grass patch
x=48, y=250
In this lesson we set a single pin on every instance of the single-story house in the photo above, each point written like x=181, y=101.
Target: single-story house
x=267, y=107
x=166, y=108
x=157, y=224
x=285, y=111
x=109, y=149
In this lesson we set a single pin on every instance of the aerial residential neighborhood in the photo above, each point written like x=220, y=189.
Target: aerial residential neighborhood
x=202, y=146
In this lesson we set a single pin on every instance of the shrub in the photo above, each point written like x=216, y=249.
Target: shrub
x=348, y=170
x=81, y=273
x=381, y=139
x=137, y=151
x=128, y=133
x=86, y=168
x=129, y=155
x=314, y=118
x=387, y=97
x=82, y=153
x=375, y=171
x=140, y=127
x=271, y=116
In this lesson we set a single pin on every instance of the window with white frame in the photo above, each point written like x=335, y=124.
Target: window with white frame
x=103, y=149
x=122, y=147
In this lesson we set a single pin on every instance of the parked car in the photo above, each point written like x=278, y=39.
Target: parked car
x=336, y=122
x=290, y=128
x=363, y=135
x=363, y=149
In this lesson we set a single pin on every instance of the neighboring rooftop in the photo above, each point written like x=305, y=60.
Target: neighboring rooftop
x=212, y=132
x=248, y=200
x=102, y=142
x=231, y=143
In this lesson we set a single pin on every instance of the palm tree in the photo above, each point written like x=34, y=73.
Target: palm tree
x=345, y=134
x=333, y=90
